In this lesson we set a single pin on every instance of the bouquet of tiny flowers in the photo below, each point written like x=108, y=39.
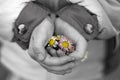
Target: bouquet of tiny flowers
x=62, y=42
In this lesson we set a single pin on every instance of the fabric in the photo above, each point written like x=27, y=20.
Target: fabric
x=112, y=60
x=107, y=30
x=53, y=5
x=30, y=21
x=80, y=21
x=112, y=8
x=35, y=12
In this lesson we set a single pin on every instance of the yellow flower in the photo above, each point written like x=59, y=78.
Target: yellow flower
x=58, y=37
x=62, y=42
x=52, y=42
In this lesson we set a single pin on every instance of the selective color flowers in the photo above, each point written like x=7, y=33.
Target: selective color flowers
x=62, y=42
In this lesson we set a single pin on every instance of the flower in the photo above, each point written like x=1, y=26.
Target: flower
x=61, y=42
x=66, y=44
x=58, y=37
x=53, y=42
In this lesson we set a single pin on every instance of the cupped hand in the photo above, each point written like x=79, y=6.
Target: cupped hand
x=63, y=28
x=39, y=39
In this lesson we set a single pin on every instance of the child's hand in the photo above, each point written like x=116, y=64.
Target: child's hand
x=63, y=28
x=39, y=39
x=55, y=53
x=106, y=28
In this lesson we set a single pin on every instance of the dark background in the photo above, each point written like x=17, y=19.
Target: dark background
x=3, y=72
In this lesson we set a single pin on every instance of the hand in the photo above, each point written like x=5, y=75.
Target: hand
x=55, y=53
x=39, y=39
x=106, y=28
x=63, y=28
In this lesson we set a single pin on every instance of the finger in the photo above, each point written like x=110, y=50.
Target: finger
x=65, y=67
x=56, y=61
x=81, y=46
x=43, y=33
x=52, y=51
x=52, y=61
x=75, y=1
x=61, y=72
x=40, y=37
x=80, y=51
x=60, y=53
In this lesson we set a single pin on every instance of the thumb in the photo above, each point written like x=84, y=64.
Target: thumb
x=39, y=39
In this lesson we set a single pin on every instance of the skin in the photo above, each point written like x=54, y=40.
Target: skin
x=69, y=31
x=59, y=65
x=39, y=39
x=62, y=27
x=66, y=29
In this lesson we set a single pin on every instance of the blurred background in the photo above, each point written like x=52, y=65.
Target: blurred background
x=3, y=71
x=113, y=76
